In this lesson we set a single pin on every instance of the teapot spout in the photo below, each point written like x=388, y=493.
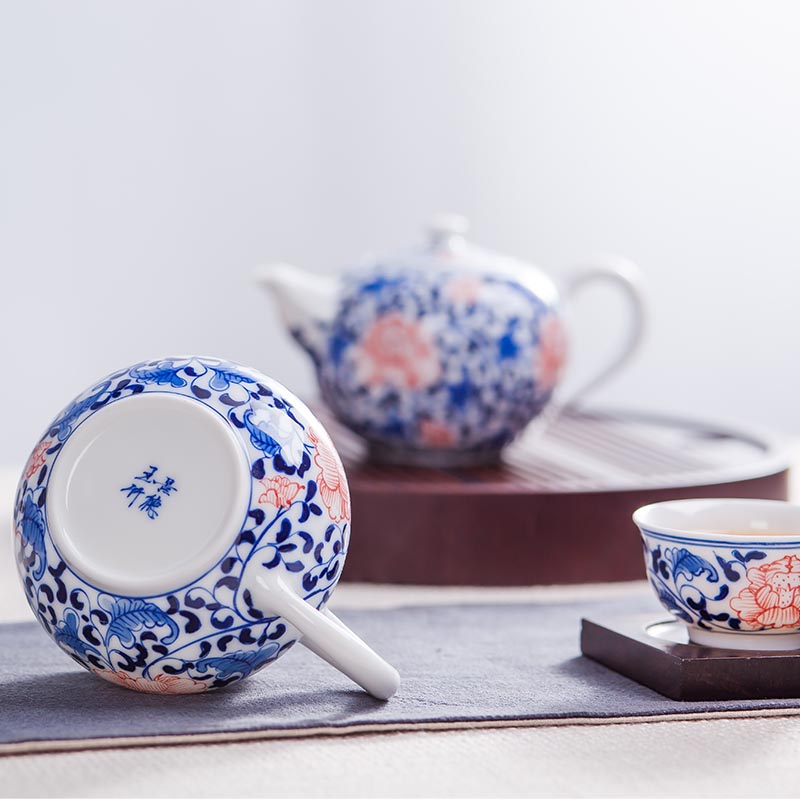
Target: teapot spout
x=307, y=302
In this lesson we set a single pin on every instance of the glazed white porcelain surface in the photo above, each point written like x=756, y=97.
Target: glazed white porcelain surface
x=443, y=353
x=182, y=523
x=728, y=568
x=197, y=517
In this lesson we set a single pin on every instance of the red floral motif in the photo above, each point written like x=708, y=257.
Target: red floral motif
x=464, y=290
x=436, y=434
x=397, y=351
x=280, y=491
x=331, y=481
x=37, y=457
x=550, y=354
x=161, y=684
x=773, y=598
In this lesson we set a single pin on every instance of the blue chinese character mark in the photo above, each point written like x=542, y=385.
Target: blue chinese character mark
x=168, y=486
x=132, y=493
x=150, y=503
x=147, y=475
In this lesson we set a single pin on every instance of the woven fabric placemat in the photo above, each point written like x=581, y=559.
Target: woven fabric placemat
x=462, y=666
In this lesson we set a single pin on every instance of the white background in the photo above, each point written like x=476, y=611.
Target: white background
x=151, y=153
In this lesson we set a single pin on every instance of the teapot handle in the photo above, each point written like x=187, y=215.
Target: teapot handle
x=626, y=276
x=327, y=636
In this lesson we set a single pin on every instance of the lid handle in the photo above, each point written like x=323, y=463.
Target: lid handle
x=444, y=227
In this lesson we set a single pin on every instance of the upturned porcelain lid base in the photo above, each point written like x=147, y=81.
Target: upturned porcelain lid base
x=147, y=493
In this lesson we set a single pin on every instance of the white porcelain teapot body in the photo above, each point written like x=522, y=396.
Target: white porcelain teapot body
x=437, y=356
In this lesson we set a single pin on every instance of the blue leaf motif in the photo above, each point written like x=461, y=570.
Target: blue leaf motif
x=689, y=564
x=130, y=615
x=241, y=663
x=727, y=567
x=724, y=591
x=32, y=533
x=165, y=372
x=671, y=602
x=753, y=555
x=223, y=378
x=66, y=633
x=263, y=441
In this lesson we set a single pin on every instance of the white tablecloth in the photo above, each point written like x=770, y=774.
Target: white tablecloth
x=736, y=757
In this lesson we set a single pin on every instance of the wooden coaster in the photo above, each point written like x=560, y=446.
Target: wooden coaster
x=557, y=509
x=658, y=654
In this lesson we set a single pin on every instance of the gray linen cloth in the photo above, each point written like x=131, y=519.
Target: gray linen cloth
x=459, y=664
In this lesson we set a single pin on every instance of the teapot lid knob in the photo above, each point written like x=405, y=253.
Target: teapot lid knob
x=443, y=227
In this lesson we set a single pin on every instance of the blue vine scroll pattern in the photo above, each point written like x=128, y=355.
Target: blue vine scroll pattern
x=209, y=633
x=698, y=585
x=437, y=359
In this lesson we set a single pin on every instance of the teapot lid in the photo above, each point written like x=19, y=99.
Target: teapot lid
x=448, y=248
x=447, y=231
x=448, y=243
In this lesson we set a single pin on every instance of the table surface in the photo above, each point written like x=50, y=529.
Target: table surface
x=723, y=757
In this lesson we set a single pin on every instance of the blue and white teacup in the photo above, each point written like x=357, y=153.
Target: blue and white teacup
x=729, y=569
x=182, y=523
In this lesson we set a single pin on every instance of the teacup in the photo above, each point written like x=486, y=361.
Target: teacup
x=728, y=568
x=182, y=523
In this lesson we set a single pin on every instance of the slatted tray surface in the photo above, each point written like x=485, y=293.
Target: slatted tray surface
x=556, y=510
x=593, y=451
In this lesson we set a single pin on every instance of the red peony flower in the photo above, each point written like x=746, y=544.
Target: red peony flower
x=279, y=491
x=37, y=457
x=397, y=351
x=161, y=684
x=436, y=434
x=773, y=598
x=331, y=480
x=463, y=290
x=550, y=354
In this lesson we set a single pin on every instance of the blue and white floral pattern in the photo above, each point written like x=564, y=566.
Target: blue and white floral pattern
x=209, y=633
x=723, y=586
x=438, y=359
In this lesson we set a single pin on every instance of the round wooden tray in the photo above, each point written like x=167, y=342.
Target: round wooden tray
x=556, y=510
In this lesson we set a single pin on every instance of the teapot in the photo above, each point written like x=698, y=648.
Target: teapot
x=440, y=355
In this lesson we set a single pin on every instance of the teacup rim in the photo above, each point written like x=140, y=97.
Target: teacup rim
x=640, y=515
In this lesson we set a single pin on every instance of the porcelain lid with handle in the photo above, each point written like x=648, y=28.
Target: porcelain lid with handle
x=447, y=247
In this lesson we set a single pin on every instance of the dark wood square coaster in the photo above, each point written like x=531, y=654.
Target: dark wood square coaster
x=657, y=654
